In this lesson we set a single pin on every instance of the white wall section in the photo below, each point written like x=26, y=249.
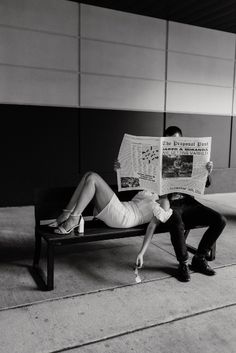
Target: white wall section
x=39, y=52
x=120, y=27
x=200, y=70
x=115, y=92
x=35, y=86
x=68, y=54
x=56, y=16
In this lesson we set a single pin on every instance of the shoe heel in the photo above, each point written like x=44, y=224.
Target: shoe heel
x=80, y=228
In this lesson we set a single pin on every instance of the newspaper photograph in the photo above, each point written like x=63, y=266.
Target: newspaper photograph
x=163, y=164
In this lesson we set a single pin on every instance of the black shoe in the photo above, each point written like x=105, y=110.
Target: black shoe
x=200, y=264
x=183, y=272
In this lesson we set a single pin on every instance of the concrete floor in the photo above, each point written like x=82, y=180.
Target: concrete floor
x=98, y=307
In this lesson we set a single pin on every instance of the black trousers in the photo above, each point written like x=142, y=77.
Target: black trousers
x=188, y=212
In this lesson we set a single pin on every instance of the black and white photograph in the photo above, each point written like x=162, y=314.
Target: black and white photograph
x=177, y=166
x=127, y=182
x=95, y=259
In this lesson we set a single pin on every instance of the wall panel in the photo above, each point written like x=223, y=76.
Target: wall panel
x=223, y=181
x=201, y=41
x=117, y=59
x=124, y=49
x=233, y=145
x=205, y=125
x=121, y=27
x=106, y=129
x=44, y=50
x=121, y=93
x=234, y=92
x=189, y=98
x=38, y=149
x=234, y=103
x=41, y=15
x=32, y=86
x=200, y=69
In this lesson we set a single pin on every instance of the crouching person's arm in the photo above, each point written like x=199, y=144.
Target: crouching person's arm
x=146, y=241
x=161, y=213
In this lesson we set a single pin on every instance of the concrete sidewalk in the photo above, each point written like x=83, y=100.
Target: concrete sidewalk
x=97, y=307
x=134, y=312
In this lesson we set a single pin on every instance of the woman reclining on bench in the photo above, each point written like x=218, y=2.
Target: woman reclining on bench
x=145, y=207
x=108, y=208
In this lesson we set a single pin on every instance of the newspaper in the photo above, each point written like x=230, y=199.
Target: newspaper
x=164, y=164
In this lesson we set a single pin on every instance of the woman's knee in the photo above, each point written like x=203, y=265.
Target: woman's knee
x=91, y=177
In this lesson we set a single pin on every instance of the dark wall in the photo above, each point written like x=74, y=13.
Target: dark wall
x=38, y=148
x=102, y=132
x=218, y=127
x=49, y=146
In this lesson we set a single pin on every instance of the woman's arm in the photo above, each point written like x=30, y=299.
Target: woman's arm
x=146, y=241
x=164, y=202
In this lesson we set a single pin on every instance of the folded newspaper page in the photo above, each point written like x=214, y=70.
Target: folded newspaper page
x=164, y=164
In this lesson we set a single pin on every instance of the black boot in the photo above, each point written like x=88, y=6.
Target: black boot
x=200, y=264
x=183, y=272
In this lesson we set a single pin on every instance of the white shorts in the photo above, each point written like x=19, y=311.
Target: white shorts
x=119, y=214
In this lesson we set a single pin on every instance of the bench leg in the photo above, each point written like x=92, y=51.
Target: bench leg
x=37, y=249
x=50, y=267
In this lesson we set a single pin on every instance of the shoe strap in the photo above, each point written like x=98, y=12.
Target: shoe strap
x=75, y=215
x=66, y=211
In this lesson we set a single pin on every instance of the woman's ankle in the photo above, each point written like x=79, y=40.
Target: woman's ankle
x=76, y=215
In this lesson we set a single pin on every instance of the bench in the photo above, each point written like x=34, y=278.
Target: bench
x=48, y=205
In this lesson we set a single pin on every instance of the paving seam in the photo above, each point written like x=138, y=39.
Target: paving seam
x=159, y=247
x=97, y=291
x=143, y=328
x=215, y=203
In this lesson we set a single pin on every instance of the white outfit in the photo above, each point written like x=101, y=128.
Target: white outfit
x=128, y=214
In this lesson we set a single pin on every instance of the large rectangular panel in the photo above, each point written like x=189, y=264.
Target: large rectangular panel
x=116, y=26
x=29, y=48
x=106, y=129
x=206, y=125
x=234, y=95
x=188, y=98
x=200, y=69
x=121, y=93
x=224, y=180
x=31, y=86
x=36, y=145
x=233, y=145
x=199, y=40
x=123, y=60
x=234, y=103
x=48, y=15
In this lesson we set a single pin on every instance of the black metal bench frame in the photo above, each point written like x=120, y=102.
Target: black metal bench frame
x=48, y=204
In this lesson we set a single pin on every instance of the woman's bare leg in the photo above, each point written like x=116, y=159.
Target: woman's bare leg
x=72, y=203
x=75, y=197
x=92, y=186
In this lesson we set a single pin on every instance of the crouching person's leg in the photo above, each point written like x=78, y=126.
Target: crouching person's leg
x=216, y=224
x=176, y=228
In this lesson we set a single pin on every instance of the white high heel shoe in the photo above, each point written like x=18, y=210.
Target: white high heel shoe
x=61, y=219
x=79, y=224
